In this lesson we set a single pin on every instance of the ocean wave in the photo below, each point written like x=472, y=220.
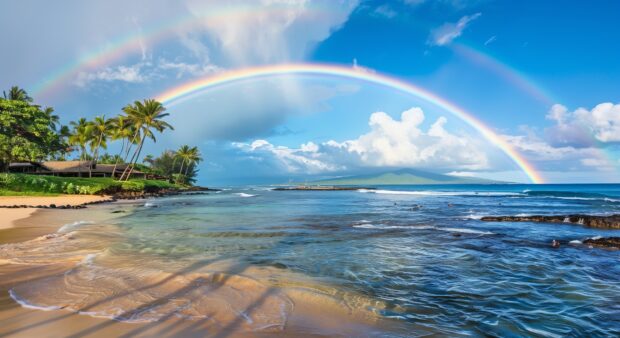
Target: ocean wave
x=474, y=216
x=25, y=304
x=150, y=205
x=419, y=227
x=242, y=194
x=571, y=195
x=441, y=193
x=74, y=225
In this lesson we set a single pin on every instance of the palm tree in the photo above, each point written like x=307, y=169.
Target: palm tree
x=80, y=137
x=193, y=158
x=100, y=129
x=183, y=154
x=146, y=117
x=53, y=119
x=189, y=156
x=121, y=130
x=16, y=93
x=148, y=159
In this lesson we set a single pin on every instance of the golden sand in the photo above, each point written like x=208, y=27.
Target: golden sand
x=78, y=284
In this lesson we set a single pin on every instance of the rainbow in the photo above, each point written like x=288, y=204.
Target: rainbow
x=131, y=44
x=504, y=71
x=187, y=90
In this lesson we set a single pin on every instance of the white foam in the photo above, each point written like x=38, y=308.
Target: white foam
x=575, y=242
x=474, y=216
x=150, y=205
x=466, y=231
x=420, y=227
x=28, y=305
x=439, y=193
x=242, y=194
x=72, y=226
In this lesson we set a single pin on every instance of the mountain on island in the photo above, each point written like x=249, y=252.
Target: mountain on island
x=404, y=177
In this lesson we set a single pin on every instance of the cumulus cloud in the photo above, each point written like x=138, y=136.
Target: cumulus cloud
x=583, y=127
x=550, y=157
x=389, y=143
x=267, y=31
x=131, y=74
x=449, y=31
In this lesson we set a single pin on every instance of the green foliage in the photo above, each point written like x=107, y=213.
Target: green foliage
x=27, y=133
x=21, y=184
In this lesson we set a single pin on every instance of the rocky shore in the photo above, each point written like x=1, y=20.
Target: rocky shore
x=82, y=201
x=605, y=242
x=607, y=222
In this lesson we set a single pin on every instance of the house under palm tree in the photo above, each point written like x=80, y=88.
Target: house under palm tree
x=75, y=169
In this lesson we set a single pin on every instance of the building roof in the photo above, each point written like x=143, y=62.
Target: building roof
x=67, y=166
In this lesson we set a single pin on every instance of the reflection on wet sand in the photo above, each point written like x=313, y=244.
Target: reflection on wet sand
x=87, y=273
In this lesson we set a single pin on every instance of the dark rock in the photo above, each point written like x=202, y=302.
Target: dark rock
x=555, y=243
x=53, y=206
x=606, y=242
x=612, y=221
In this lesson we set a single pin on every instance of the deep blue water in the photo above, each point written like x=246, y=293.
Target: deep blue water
x=421, y=250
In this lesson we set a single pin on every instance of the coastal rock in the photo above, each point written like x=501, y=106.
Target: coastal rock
x=610, y=222
x=606, y=242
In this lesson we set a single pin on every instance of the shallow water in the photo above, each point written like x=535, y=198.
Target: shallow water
x=408, y=261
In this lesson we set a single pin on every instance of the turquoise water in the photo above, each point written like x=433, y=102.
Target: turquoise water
x=416, y=257
x=420, y=250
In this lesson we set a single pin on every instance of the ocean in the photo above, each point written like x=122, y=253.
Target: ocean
x=395, y=261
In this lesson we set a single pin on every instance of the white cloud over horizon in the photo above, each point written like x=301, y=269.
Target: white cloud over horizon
x=389, y=143
x=583, y=127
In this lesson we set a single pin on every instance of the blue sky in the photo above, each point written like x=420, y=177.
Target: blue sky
x=543, y=75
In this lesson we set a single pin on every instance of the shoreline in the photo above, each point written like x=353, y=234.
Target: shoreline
x=326, y=319
x=20, y=208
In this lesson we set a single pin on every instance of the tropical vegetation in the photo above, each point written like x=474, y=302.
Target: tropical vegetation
x=31, y=133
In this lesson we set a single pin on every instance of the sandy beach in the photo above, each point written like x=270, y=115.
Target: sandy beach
x=11, y=215
x=36, y=226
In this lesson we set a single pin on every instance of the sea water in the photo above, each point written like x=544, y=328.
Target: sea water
x=415, y=257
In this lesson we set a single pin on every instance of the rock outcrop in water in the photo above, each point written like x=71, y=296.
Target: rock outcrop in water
x=606, y=242
x=612, y=221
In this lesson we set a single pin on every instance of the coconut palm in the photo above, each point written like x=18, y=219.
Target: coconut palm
x=189, y=157
x=147, y=118
x=121, y=130
x=80, y=138
x=183, y=154
x=100, y=130
x=54, y=120
x=16, y=93
x=193, y=159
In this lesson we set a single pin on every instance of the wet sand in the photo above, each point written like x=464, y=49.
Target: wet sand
x=309, y=313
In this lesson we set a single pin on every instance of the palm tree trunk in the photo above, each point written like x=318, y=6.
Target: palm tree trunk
x=120, y=153
x=135, y=159
x=135, y=136
x=180, y=171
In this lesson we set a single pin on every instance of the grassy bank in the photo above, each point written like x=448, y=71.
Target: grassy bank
x=35, y=185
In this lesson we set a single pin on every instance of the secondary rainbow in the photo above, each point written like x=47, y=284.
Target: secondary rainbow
x=187, y=90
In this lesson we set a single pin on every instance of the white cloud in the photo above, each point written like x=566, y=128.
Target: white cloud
x=267, y=31
x=449, y=31
x=183, y=68
x=131, y=74
x=389, y=143
x=462, y=174
x=385, y=11
x=490, y=40
x=583, y=127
